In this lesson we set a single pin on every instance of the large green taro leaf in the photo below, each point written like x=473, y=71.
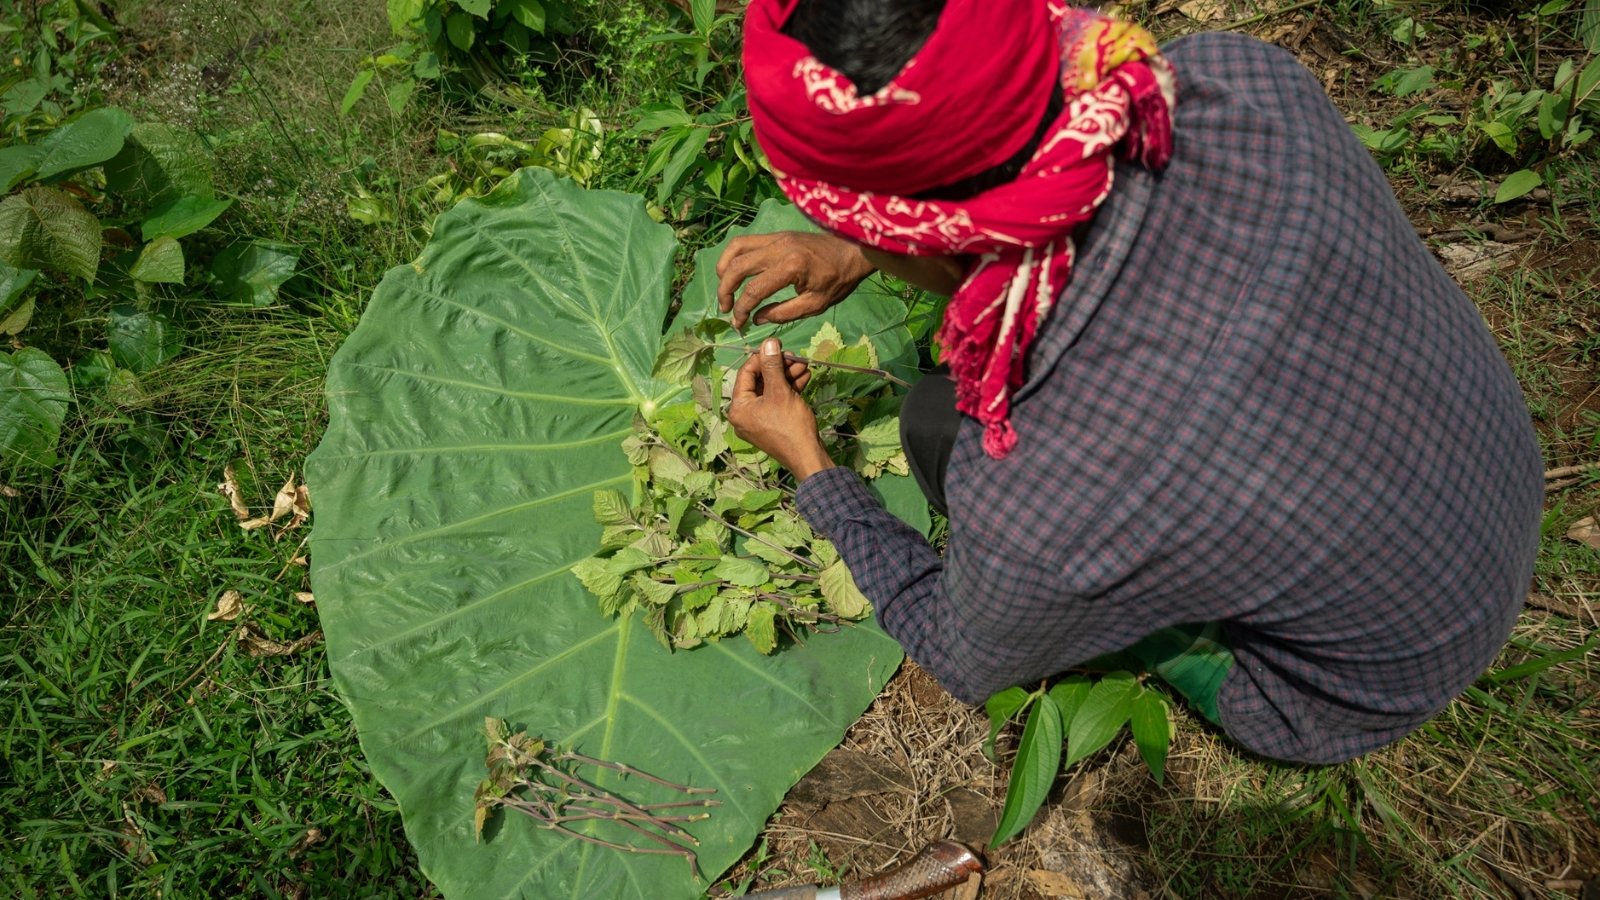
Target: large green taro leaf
x=473, y=412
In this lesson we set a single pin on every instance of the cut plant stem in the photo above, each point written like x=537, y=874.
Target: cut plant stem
x=802, y=560
x=795, y=357
x=631, y=772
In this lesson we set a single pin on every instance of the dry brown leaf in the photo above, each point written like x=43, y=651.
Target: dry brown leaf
x=230, y=488
x=1585, y=531
x=229, y=607
x=311, y=838
x=149, y=792
x=304, y=597
x=254, y=643
x=7, y=490
x=283, y=504
x=1054, y=884
x=133, y=841
x=302, y=506
x=1204, y=10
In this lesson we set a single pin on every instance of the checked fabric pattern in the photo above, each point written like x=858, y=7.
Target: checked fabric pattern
x=1259, y=402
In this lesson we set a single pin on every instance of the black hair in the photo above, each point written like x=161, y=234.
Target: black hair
x=870, y=41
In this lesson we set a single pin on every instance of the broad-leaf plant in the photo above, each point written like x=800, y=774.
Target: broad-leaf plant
x=474, y=415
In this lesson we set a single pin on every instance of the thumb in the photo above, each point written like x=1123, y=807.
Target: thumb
x=773, y=377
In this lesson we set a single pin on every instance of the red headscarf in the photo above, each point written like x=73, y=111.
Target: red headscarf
x=968, y=100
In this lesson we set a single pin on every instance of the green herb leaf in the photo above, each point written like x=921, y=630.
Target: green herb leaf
x=139, y=339
x=611, y=508
x=1032, y=772
x=458, y=28
x=33, y=403
x=530, y=13
x=158, y=164
x=840, y=591
x=1068, y=695
x=352, y=95
x=1001, y=707
x=1152, y=731
x=159, y=262
x=1108, y=706
x=1517, y=184
x=182, y=217
x=47, y=228
x=89, y=140
x=681, y=358
x=741, y=571
x=762, y=628
x=252, y=271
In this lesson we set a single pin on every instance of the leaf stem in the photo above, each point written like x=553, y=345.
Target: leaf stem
x=795, y=357
x=804, y=561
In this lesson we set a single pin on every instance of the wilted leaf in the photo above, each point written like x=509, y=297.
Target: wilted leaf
x=229, y=607
x=301, y=506
x=47, y=228
x=1585, y=531
x=229, y=487
x=254, y=643
x=1204, y=10
x=283, y=503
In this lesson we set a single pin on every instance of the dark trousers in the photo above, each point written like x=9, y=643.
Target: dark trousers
x=928, y=425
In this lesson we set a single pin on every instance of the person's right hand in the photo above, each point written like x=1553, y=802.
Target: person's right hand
x=822, y=268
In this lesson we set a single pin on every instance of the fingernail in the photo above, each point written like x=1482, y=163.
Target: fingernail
x=771, y=347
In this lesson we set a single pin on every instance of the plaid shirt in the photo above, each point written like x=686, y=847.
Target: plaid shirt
x=1261, y=402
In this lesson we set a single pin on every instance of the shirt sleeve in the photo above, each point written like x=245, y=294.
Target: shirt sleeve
x=904, y=577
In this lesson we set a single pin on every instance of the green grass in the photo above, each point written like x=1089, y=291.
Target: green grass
x=146, y=750
x=146, y=753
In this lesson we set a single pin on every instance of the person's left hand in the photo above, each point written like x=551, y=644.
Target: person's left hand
x=767, y=410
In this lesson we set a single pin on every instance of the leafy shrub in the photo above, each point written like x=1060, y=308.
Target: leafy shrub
x=1087, y=714
x=704, y=150
x=50, y=53
x=77, y=196
x=469, y=37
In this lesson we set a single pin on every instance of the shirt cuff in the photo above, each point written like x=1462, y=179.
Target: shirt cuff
x=832, y=497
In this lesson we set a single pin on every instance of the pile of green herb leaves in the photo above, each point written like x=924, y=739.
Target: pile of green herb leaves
x=714, y=546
